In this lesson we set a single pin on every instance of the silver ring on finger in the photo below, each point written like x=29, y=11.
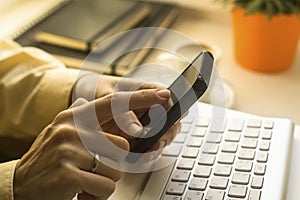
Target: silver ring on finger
x=95, y=163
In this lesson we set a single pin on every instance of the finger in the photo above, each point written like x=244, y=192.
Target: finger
x=125, y=101
x=117, y=103
x=104, y=144
x=129, y=84
x=167, y=138
x=171, y=133
x=85, y=196
x=128, y=123
x=79, y=102
x=151, y=86
x=85, y=160
x=95, y=185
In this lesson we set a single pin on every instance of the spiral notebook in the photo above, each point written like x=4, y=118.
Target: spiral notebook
x=17, y=16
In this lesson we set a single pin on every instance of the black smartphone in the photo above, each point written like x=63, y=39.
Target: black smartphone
x=187, y=88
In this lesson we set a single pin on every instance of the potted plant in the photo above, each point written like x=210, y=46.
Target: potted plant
x=266, y=33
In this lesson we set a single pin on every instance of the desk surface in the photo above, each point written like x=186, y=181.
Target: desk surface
x=273, y=95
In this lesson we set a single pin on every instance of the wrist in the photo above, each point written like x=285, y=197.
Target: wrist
x=85, y=87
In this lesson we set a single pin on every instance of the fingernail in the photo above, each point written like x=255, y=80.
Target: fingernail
x=134, y=129
x=162, y=144
x=164, y=93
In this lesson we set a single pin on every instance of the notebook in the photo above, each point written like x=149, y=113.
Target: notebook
x=17, y=16
x=161, y=15
x=82, y=24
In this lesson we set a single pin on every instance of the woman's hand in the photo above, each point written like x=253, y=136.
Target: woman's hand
x=58, y=165
x=97, y=86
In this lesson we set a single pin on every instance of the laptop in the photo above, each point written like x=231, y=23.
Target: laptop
x=248, y=157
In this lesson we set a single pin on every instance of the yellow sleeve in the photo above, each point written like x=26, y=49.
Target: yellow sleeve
x=7, y=177
x=34, y=87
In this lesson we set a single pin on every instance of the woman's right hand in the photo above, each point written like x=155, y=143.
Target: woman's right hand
x=58, y=166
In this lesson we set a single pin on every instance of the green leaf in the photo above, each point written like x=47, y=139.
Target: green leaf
x=268, y=7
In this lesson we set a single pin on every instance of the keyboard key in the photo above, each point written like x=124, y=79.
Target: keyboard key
x=218, y=182
x=222, y=170
x=207, y=160
x=264, y=145
x=185, y=128
x=218, y=125
x=199, y=132
x=266, y=134
x=232, y=136
x=226, y=158
x=240, y=178
x=262, y=157
x=254, y=123
x=190, y=153
x=210, y=148
x=203, y=121
x=193, y=195
x=176, y=188
x=171, y=197
x=249, y=143
x=180, y=175
x=172, y=150
x=198, y=184
x=238, y=191
x=236, y=125
x=215, y=195
x=268, y=124
x=187, y=119
x=180, y=138
x=259, y=169
x=246, y=154
x=195, y=142
x=243, y=166
x=202, y=171
x=213, y=138
x=185, y=163
x=251, y=133
x=229, y=147
x=254, y=195
x=257, y=182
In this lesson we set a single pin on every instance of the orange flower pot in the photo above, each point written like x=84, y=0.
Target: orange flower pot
x=262, y=44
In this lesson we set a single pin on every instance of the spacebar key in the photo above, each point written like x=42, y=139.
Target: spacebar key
x=172, y=150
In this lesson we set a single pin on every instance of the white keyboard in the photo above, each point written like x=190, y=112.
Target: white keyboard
x=247, y=157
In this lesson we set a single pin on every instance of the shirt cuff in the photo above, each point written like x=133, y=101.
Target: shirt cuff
x=55, y=91
x=7, y=171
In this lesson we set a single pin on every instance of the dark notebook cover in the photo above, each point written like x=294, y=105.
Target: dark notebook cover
x=161, y=15
x=81, y=23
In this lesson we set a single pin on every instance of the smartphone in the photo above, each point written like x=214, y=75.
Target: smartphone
x=187, y=88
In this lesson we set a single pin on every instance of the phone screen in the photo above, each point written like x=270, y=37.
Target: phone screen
x=187, y=88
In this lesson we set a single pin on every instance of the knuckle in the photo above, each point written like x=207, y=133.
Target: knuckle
x=63, y=116
x=108, y=98
x=65, y=152
x=64, y=132
x=144, y=94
